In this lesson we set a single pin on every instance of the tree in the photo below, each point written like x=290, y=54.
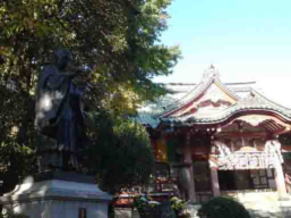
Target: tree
x=126, y=159
x=17, y=137
x=118, y=40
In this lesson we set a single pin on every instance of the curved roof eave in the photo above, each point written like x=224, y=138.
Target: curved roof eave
x=227, y=118
x=269, y=100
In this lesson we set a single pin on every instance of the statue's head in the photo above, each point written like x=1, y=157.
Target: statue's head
x=62, y=58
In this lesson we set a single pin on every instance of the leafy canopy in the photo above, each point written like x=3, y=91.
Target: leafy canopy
x=118, y=40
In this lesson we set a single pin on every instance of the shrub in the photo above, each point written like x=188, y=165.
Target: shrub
x=223, y=207
x=146, y=208
x=180, y=207
x=10, y=214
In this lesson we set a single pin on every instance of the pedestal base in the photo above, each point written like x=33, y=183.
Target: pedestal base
x=57, y=199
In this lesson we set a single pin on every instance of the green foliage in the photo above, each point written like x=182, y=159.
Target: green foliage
x=16, y=161
x=120, y=153
x=177, y=204
x=16, y=137
x=180, y=207
x=223, y=207
x=10, y=214
x=117, y=39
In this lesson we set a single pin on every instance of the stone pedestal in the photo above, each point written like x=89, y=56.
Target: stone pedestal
x=57, y=198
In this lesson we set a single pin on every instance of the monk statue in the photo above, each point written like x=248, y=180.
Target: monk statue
x=59, y=116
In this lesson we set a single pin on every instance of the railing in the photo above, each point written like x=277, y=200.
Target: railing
x=246, y=160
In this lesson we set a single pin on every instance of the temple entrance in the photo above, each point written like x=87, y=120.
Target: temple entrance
x=238, y=180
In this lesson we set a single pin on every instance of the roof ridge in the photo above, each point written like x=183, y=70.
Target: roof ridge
x=209, y=77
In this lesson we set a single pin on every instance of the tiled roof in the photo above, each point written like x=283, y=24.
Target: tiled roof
x=247, y=99
x=253, y=103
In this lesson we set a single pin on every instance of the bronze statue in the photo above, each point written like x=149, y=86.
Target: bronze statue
x=59, y=116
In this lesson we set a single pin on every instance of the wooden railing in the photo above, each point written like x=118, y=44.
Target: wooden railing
x=246, y=160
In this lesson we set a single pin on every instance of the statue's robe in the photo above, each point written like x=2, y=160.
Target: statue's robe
x=58, y=109
x=52, y=95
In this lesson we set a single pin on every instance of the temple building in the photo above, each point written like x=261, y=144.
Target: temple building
x=214, y=138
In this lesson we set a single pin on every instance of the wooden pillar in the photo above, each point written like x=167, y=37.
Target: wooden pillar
x=214, y=179
x=280, y=180
x=273, y=147
x=189, y=172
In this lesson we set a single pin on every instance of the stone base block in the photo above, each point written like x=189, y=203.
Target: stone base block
x=57, y=199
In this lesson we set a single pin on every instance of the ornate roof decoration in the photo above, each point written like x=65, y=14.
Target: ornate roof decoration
x=210, y=77
x=211, y=72
x=212, y=102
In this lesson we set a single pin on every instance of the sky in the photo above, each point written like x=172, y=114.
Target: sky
x=246, y=40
